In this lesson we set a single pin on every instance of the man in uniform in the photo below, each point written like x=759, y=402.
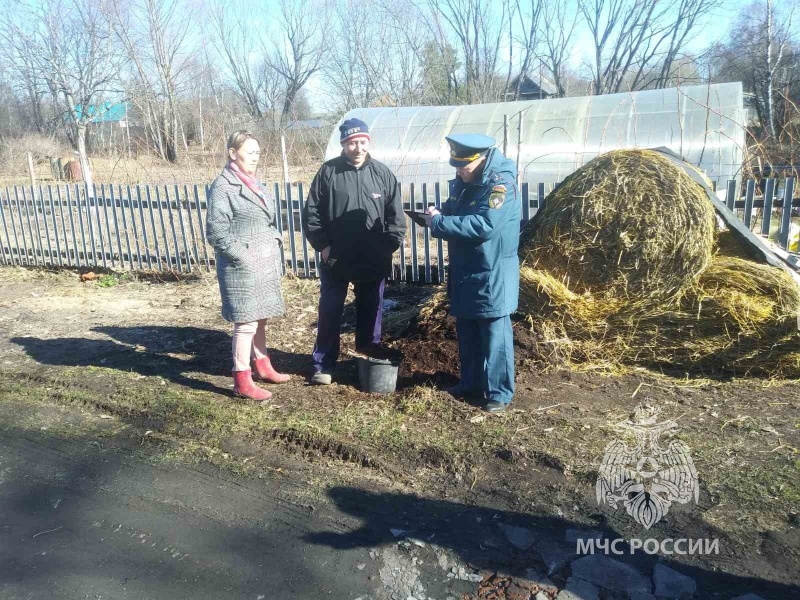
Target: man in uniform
x=354, y=218
x=480, y=221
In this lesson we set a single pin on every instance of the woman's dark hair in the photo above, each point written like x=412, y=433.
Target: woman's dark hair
x=237, y=139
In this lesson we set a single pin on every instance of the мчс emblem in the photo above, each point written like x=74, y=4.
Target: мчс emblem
x=497, y=196
x=647, y=478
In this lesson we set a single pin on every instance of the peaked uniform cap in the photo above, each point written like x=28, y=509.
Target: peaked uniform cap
x=466, y=147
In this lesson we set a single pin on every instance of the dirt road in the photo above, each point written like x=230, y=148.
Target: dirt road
x=99, y=516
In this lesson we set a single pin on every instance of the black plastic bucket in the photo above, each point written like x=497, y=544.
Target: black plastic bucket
x=377, y=376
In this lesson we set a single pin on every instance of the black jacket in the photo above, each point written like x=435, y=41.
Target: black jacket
x=359, y=214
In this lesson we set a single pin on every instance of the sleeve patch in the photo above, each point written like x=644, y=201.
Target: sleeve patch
x=499, y=188
x=496, y=199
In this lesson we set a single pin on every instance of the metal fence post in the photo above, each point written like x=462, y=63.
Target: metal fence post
x=748, y=202
x=279, y=223
x=426, y=235
x=414, y=266
x=10, y=259
x=113, y=200
x=304, y=241
x=35, y=239
x=786, y=217
x=125, y=226
x=440, y=269
x=55, y=226
x=290, y=226
x=46, y=228
x=190, y=219
x=766, y=215
x=202, y=224
x=179, y=208
x=403, y=243
x=730, y=195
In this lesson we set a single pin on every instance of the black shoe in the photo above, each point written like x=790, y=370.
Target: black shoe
x=495, y=407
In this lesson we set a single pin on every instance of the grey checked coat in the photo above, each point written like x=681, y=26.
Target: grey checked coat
x=241, y=229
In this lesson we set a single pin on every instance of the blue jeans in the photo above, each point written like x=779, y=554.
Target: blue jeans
x=369, y=304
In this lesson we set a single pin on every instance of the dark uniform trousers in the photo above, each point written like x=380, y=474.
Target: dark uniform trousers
x=369, y=304
x=486, y=350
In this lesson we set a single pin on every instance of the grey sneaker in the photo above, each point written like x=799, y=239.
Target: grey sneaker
x=321, y=378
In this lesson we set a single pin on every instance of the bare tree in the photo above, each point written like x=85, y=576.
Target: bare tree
x=530, y=18
x=478, y=26
x=440, y=67
x=348, y=68
x=299, y=55
x=687, y=18
x=558, y=24
x=73, y=53
x=156, y=46
x=401, y=42
x=774, y=54
x=631, y=37
x=619, y=28
x=238, y=44
x=762, y=52
x=28, y=85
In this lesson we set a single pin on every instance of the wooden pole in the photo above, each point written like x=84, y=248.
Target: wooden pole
x=30, y=170
x=202, y=132
x=285, y=162
x=128, y=129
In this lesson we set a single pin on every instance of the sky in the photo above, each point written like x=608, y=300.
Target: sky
x=714, y=30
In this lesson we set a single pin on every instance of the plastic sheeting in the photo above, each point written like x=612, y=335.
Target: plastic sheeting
x=704, y=124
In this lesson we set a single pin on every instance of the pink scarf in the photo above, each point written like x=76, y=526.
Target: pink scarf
x=251, y=182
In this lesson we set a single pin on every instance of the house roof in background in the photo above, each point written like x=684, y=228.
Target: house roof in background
x=531, y=85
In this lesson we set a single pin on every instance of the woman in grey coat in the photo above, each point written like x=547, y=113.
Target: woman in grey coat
x=240, y=224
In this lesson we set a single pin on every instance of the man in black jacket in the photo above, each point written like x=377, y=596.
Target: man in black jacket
x=354, y=218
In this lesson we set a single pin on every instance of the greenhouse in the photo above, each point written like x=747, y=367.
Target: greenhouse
x=549, y=139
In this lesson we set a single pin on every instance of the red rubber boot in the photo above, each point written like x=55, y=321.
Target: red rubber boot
x=243, y=386
x=265, y=372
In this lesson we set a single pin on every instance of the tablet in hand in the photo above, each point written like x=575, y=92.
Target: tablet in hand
x=417, y=217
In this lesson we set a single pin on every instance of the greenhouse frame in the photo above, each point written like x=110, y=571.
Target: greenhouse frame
x=549, y=139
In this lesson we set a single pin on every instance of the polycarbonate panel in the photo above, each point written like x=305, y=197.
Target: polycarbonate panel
x=704, y=124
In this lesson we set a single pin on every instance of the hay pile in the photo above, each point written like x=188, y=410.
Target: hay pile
x=621, y=266
x=629, y=222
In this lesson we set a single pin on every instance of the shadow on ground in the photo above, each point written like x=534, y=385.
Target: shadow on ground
x=173, y=353
x=82, y=518
x=473, y=533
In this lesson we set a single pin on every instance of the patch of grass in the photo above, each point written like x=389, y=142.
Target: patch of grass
x=746, y=458
x=113, y=279
x=415, y=428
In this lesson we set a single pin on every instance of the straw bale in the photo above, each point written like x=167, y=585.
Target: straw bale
x=629, y=221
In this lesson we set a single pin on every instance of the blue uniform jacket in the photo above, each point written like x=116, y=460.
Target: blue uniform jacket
x=481, y=222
